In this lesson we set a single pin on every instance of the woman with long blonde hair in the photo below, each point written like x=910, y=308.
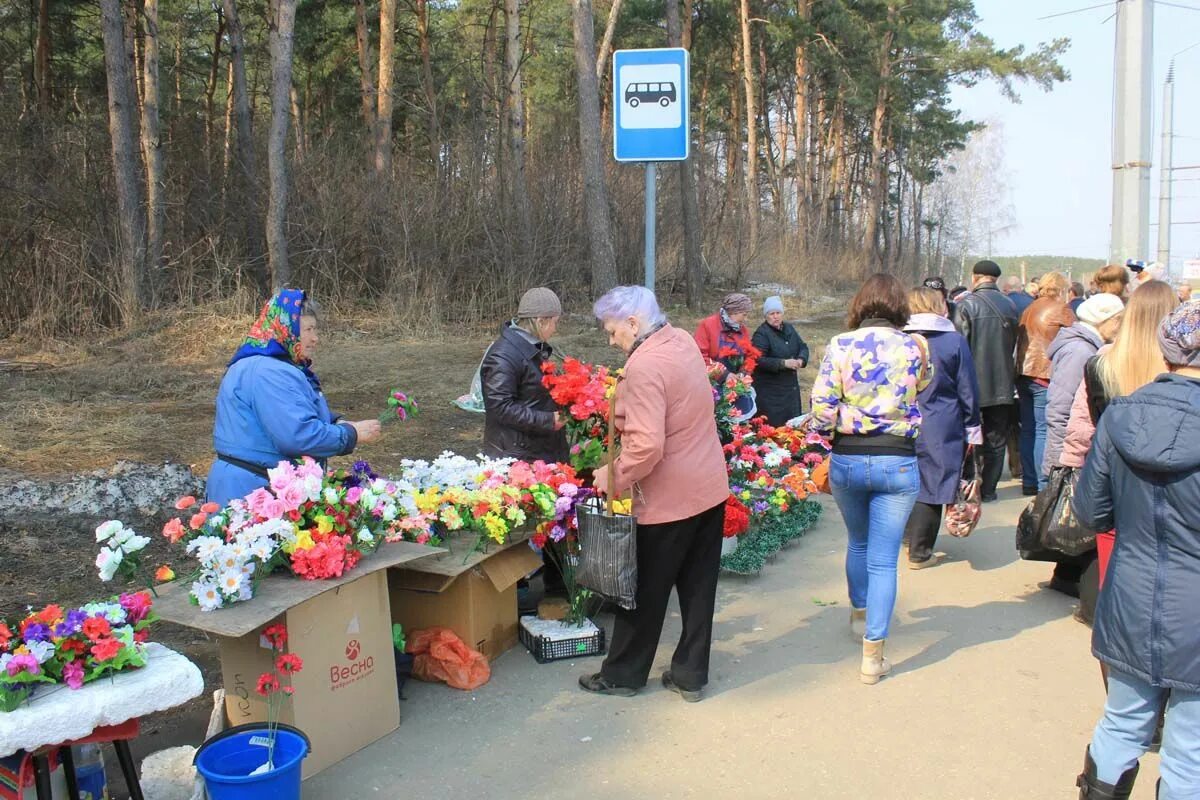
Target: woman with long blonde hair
x=1133, y=360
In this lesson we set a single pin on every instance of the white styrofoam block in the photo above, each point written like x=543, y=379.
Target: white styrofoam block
x=59, y=714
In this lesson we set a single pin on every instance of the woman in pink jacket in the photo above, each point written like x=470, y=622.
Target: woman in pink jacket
x=671, y=461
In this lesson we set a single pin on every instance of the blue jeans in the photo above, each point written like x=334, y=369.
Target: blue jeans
x=1032, y=398
x=875, y=495
x=1125, y=731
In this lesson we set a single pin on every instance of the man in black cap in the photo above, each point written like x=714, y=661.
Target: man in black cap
x=988, y=319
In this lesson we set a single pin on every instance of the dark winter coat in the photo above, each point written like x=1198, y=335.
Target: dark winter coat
x=949, y=405
x=1068, y=354
x=989, y=321
x=776, y=385
x=1143, y=478
x=518, y=410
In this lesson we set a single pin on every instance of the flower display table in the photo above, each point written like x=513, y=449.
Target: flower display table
x=104, y=710
x=346, y=697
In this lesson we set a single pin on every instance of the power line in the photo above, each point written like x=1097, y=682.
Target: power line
x=1076, y=11
x=1176, y=5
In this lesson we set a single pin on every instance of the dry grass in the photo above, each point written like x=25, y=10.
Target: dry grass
x=147, y=394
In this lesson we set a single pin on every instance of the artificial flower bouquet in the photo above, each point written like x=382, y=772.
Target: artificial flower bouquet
x=769, y=468
x=557, y=535
x=317, y=526
x=728, y=389
x=72, y=646
x=583, y=391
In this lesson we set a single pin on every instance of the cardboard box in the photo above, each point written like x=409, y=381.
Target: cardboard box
x=345, y=696
x=475, y=598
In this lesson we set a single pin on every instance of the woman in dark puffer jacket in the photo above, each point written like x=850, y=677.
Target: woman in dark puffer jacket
x=1143, y=478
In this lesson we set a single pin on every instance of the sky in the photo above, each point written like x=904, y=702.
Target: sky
x=1058, y=144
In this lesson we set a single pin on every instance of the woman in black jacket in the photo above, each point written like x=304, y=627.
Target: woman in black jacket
x=783, y=353
x=1143, y=478
x=520, y=419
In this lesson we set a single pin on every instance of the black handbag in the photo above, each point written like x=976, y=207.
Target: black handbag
x=608, y=542
x=1048, y=527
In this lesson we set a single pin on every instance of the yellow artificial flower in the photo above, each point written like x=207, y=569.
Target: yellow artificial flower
x=324, y=524
x=304, y=541
x=623, y=506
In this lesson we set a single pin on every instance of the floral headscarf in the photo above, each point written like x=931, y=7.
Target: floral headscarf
x=276, y=333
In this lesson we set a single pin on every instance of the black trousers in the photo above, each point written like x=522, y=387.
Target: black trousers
x=995, y=446
x=686, y=556
x=922, y=530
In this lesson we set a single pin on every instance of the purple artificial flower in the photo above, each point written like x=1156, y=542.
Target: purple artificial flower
x=36, y=632
x=558, y=533
x=761, y=506
x=71, y=624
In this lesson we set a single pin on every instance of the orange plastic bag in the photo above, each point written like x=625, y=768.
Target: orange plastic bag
x=442, y=656
x=820, y=477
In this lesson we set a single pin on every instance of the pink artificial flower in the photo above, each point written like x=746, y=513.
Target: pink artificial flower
x=23, y=663
x=309, y=469
x=520, y=475
x=258, y=500
x=136, y=605
x=292, y=496
x=73, y=674
x=353, y=494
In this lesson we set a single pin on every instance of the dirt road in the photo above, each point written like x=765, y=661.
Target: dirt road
x=993, y=695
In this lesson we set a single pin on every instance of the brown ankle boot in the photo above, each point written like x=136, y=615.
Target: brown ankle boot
x=874, y=665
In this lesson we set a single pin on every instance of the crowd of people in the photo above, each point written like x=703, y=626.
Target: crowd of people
x=928, y=388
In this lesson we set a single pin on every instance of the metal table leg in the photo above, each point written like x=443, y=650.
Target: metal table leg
x=41, y=777
x=68, y=763
x=128, y=769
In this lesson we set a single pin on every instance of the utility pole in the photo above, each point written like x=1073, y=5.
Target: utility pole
x=1164, y=172
x=1131, y=132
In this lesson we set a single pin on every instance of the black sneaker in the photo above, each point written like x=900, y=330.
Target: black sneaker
x=989, y=498
x=689, y=695
x=1029, y=491
x=597, y=684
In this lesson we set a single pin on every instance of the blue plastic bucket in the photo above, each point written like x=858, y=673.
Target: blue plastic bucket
x=227, y=759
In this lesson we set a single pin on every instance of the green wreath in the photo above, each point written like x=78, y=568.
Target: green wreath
x=767, y=536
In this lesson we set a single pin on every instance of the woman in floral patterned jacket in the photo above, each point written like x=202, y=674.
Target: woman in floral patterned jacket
x=865, y=399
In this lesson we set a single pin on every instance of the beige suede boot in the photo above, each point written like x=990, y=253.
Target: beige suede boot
x=858, y=622
x=874, y=665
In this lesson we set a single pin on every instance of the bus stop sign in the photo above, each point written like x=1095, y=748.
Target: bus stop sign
x=651, y=103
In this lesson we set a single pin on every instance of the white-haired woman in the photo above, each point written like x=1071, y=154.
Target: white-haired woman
x=671, y=461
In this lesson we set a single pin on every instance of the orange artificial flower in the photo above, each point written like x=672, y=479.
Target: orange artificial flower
x=210, y=508
x=197, y=520
x=174, y=530
x=164, y=574
x=185, y=502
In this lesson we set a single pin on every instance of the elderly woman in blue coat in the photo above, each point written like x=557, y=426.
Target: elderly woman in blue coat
x=950, y=421
x=1142, y=477
x=270, y=407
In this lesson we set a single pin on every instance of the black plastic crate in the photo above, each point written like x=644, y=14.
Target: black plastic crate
x=544, y=649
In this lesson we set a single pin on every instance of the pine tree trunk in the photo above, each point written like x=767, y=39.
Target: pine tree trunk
x=387, y=73
x=693, y=259
x=595, y=192
x=803, y=171
x=210, y=91
x=435, y=145
x=283, y=23
x=515, y=115
x=152, y=150
x=247, y=160
x=606, y=42
x=877, y=177
x=752, y=205
x=122, y=110
x=41, y=59
x=365, y=64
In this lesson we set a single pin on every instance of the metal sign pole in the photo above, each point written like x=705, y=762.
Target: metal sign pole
x=651, y=207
